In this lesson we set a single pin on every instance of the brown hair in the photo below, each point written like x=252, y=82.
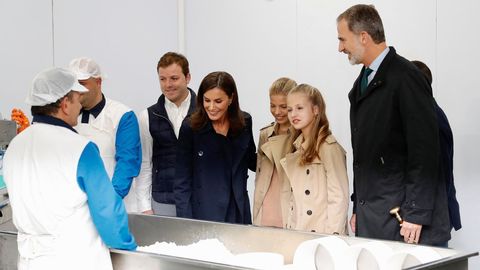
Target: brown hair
x=320, y=128
x=174, y=58
x=364, y=18
x=282, y=86
x=225, y=82
x=52, y=108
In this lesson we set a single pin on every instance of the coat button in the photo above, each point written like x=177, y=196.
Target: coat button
x=307, y=192
x=309, y=212
x=355, y=129
x=413, y=204
x=259, y=169
x=308, y=171
x=362, y=202
x=312, y=230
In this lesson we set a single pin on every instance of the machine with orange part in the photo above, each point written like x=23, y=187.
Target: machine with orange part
x=21, y=119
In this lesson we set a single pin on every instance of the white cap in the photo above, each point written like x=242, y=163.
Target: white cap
x=85, y=68
x=51, y=85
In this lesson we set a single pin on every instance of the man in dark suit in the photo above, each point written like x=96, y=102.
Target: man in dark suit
x=446, y=154
x=394, y=138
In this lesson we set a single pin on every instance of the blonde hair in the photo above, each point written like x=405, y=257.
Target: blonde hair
x=320, y=128
x=282, y=86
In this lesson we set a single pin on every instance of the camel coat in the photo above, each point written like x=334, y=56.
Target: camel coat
x=271, y=148
x=320, y=189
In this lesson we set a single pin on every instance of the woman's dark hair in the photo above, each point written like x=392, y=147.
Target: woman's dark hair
x=424, y=69
x=223, y=81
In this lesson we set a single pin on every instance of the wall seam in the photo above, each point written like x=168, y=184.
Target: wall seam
x=53, y=35
x=181, y=26
x=296, y=39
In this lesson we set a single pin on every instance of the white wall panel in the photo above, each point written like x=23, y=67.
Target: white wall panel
x=253, y=40
x=457, y=93
x=127, y=38
x=25, y=49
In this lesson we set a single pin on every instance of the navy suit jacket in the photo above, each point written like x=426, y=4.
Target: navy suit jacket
x=446, y=167
x=211, y=168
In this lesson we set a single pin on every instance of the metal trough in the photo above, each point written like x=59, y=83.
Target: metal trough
x=237, y=238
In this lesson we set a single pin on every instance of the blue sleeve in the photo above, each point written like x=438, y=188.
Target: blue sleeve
x=182, y=186
x=106, y=207
x=128, y=154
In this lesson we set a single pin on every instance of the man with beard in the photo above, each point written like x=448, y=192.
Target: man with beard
x=114, y=129
x=394, y=138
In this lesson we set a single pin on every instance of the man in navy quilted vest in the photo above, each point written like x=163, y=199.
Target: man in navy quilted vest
x=159, y=128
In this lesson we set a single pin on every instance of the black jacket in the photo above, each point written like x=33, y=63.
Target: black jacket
x=396, y=151
x=164, y=149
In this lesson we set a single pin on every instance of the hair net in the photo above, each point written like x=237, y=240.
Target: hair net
x=51, y=85
x=85, y=68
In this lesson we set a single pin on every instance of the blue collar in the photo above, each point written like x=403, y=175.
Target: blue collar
x=376, y=63
x=51, y=120
x=95, y=111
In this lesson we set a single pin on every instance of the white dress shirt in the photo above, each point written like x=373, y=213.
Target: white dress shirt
x=144, y=179
x=177, y=114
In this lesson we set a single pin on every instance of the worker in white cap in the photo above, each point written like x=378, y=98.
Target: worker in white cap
x=113, y=127
x=64, y=207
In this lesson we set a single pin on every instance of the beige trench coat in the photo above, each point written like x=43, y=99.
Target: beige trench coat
x=271, y=148
x=320, y=189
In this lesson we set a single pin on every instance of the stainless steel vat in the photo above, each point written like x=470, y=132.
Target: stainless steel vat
x=237, y=238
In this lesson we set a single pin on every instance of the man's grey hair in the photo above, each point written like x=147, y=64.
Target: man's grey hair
x=364, y=18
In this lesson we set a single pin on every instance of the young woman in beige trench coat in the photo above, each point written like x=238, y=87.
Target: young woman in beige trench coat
x=272, y=191
x=315, y=167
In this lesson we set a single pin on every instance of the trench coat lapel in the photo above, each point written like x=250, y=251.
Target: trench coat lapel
x=274, y=148
x=290, y=162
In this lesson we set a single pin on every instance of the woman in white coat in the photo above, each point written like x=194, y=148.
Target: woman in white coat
x=272, y=190
x=315, y=167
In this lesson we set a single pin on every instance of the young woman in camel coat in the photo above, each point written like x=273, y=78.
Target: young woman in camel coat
x=272, y=192
x=315, y=167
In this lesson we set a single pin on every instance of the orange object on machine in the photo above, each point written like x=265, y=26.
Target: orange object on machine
x=21, y=119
